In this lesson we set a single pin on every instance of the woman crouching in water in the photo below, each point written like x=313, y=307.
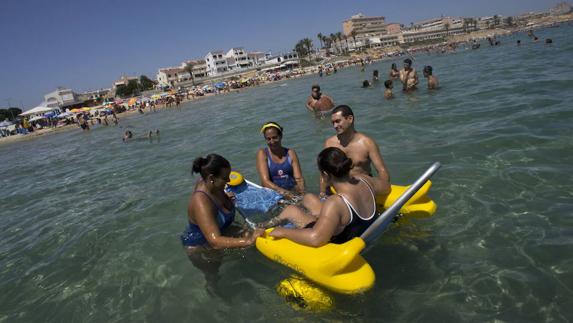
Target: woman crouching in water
x=210, y=213
x=342, y=216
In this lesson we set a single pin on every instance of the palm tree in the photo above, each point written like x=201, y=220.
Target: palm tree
x=353, y=35
x=333, y=38
x=189, y=68
x=346, y=41
x=320, y=37
x=447, y=27
x=307, y=43
x=495, y=20
x=339, y=37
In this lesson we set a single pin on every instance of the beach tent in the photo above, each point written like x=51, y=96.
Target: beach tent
x=37, y=118
x=37, y=110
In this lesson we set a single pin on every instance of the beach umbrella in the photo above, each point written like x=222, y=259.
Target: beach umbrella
x=155, y=96
x=132, y=101
x=76, y=110
x=85, y=109
x=118, y=101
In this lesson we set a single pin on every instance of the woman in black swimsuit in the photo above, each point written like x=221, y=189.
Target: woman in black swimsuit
x=340, y=217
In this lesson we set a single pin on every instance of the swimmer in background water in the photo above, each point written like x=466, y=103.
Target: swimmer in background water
x=365, y=84
x=128, y=135
x=318, y=102
x=433, y=83
x=375, y=77
x=388, y=91
x=408, y=76
x=278, y=167
x=394, y=72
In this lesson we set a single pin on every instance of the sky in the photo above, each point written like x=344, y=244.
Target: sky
x=86, y=45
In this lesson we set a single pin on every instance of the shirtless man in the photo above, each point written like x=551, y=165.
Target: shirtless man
x=432, y=80
x=408, y=76
x=362, y=149
x=318, y=102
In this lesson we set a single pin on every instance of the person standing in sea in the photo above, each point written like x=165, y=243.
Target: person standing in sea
x=394, y=72
x=408, y=76
x=432, y=80
x=319, y=103
x=362, y=149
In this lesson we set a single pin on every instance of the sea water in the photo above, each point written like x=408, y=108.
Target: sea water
x=90, y=225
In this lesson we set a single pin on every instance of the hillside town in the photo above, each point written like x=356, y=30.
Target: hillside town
x=363, y=38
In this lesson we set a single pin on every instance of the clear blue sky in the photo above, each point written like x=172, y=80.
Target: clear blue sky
x=86, y=45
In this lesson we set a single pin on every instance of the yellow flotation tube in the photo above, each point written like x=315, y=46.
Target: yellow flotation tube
x=419, y=205
x=340, y=267
x=302, y=295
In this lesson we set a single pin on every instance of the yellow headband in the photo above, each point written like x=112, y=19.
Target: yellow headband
x=270, y=125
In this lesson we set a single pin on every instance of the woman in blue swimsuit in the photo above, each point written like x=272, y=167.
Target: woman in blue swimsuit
x=340, y=217
x=210, y=211
x=278, y=167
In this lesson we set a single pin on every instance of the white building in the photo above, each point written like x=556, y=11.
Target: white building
x=282, y=58
x=61, y=98
x=172, y=75
x=257, y=58
x=216, y=63
x=199, y=68
x=562, y=8
x=240, y=57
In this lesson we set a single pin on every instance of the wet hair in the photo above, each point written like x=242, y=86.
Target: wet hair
x=387, y=83
x=365, y=83
x=548, y=41
x=344, y=109
x=315, y=86
x=428, y=69
x=334, y=162
x=211, y=164
x=407, y=60
x=375, y=73
x=394, y=67
x=271, y=124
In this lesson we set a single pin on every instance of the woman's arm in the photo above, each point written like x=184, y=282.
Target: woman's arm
x=263, y=171
x=297, y=171
x=204, y=216
x=322, y=231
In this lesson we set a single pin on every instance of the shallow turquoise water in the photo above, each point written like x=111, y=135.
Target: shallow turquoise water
x=90, y=225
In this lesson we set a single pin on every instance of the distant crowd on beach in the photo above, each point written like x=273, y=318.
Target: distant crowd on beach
x=173, y=98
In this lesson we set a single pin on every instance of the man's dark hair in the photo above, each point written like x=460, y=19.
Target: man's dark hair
x=428, y=69
x=387, y=83
x=344, y=109
x=407, y=60
x=315, y=86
